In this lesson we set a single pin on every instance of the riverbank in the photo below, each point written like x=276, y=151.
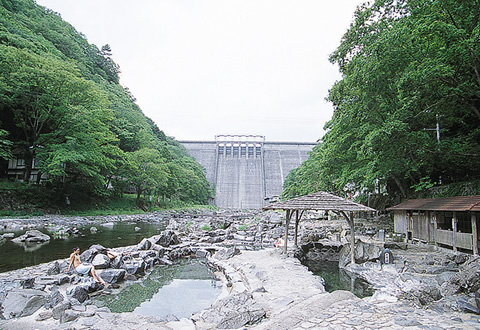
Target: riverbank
x=265, y=289
x=288, y=294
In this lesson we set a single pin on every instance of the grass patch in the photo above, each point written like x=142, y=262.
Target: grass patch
x=242, y=227
x=206, y=228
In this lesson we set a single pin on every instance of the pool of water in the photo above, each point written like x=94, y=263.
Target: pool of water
x=15, y=256
x=182, y=289
x=338, y=279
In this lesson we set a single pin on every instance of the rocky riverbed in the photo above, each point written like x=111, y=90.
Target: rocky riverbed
x=425, y=287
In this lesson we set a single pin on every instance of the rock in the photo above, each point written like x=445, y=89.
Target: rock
x=23, y=302
x=233, y=312
x=113, y=275
x=134, y=267
x=168, y=238
x=424, y=295
x=69, y=315
x=32, y=236
x=59, y=310
x=42, y=316
x=78, y=292
x=145, y=244
x=201, y=253
x=466, y=280
x=101, y=261
x=107, y=224
x=363, y=252
x=54, y=269
x=460, y=258
x=138, y=228
x=54, y=298
x=477, y=299
x=93, y=230
x=395, y=245
x=226, y=253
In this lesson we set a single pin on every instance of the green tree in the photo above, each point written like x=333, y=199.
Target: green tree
x=407, y=66
x=146, y=171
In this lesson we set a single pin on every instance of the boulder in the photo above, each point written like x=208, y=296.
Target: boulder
x=54, y=298
x=23, y=302
x=78, y=292
x=113, y=275
x=233, y=312
x=363, y=252
x=168, y=238
x=226, y=253
x=467, y=280
x=134, y=267
x=59, y=310
x=69, y=315
x=101, y=261
x=32, y=236
x=145, y=244
x=477, y=299
x=54, y=269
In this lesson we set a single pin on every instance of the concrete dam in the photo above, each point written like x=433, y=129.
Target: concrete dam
x=245, y=170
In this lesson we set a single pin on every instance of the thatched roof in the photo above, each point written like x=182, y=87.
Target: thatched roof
x=319, y=201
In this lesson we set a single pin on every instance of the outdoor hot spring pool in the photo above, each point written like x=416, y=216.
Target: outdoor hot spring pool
x=181, y=290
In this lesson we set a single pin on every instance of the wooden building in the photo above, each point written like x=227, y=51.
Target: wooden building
x=451, y=221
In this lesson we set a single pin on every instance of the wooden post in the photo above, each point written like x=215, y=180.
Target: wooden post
x=352, y=237
x=350, y=221
x=474, y=233
x=454, y=230
x=297, y=221
x=287, y=223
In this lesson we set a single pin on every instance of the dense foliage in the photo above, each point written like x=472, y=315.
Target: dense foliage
x=61, y=105
x=408, y=67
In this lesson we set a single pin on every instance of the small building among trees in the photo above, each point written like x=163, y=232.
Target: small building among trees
x=450, y=221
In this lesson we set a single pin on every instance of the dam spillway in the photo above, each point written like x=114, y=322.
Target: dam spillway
x=245, y=170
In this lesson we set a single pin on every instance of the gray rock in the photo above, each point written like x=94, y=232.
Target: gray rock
x=54, y=269
x=477, y=299
x=168, y=238
x=101, y=261
x=32, y=236
x=55, y=298
x=69, y=315
x=467, y=280
x=59, y=310
x=363, y=252
x=113, y=275
x=78, y=292
x=134, y=267
x=225, y=254
x=145, y=244
x=233, y=312
x=42, y=316
x=23, y=302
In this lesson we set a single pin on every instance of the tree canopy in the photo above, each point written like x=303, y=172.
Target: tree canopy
x=64, y=112
x=407, y=109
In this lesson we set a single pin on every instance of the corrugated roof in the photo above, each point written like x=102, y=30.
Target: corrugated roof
x=458, y=203
x=319, y=201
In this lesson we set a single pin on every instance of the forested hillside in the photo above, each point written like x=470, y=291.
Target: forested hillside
x=406, y=119
x=61, y=105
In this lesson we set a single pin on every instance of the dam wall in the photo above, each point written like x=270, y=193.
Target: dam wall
x=245, y=170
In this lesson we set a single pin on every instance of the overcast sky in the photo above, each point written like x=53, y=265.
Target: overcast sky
x=199, y=68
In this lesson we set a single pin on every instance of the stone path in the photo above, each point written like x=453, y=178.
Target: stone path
x=283, y=279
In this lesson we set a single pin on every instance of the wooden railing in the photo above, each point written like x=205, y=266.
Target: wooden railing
x=462, y=240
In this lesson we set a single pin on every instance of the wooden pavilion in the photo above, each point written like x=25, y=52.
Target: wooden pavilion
x=319, y=201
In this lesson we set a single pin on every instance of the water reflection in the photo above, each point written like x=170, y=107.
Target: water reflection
x=15, y=256
x=339, y=279
x=181, y=290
